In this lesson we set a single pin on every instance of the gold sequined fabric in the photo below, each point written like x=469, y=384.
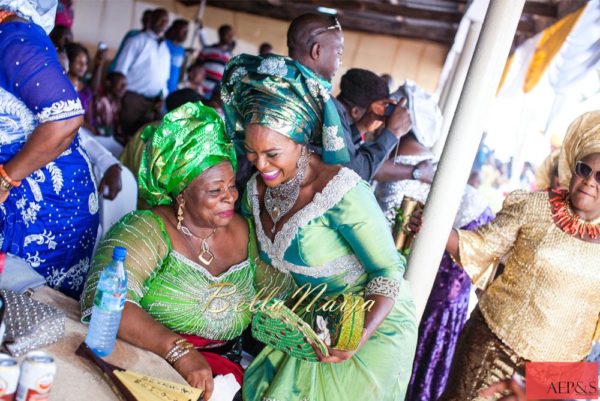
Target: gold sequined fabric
x=546, y=304
x=480, y=359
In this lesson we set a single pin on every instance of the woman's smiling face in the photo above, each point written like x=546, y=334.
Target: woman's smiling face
x=274, y=155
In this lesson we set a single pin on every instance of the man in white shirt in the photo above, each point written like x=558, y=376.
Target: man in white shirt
x=145, y=61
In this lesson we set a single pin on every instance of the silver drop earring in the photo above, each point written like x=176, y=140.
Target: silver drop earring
x=279, y=200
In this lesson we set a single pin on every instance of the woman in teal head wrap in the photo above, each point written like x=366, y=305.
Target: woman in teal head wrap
x=318, y=223
x=188, y=260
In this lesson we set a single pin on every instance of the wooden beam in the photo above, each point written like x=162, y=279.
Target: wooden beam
x=394, y=28
x=370, y=16
x=539, y=8
x=385, y=25
x=387, y=9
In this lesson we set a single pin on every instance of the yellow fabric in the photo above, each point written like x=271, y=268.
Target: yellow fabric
x=132, y=158
x=546, y=171
x=132, y=154
x=550, y=43
x=545, y=305
x=582, y=139
x=505, y=73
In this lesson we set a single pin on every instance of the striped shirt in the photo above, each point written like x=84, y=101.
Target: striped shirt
x=214, y=59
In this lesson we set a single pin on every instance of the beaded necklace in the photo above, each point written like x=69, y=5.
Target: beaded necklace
x=568, y=221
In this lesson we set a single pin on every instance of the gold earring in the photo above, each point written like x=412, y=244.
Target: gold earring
x=180, y=215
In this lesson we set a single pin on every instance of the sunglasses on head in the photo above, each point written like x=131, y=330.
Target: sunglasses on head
x=585, y=171
x=335, y=24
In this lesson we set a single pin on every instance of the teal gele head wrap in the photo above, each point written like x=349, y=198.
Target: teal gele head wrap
x=281, y=94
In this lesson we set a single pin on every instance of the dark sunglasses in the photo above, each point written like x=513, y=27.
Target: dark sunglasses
x=584, y=171
x=335, y=24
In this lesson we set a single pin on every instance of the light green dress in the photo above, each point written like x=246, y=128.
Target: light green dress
x=341, y=239
x=177, y=292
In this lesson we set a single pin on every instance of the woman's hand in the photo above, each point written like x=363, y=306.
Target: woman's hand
x=111, y=181
x=196, y=371
x=426, y=170
x=516, y=391
x=337, y=356
x=399, y=122
x=100, y=57
x=414, y=225
x=137, y=327
x=415, y=222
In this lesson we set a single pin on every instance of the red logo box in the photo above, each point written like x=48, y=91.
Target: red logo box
x=561, y=380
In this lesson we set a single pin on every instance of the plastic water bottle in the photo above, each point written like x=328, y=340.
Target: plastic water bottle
x=108, y=305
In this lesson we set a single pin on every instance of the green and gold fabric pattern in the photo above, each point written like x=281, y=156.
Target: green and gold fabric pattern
x=189, y=140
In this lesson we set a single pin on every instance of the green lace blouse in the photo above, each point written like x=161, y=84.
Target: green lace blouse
x=176, y=291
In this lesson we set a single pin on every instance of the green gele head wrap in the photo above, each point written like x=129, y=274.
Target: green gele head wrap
x=281, y=94
x=189, y=140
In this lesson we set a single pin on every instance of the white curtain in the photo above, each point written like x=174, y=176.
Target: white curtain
x=579, y=54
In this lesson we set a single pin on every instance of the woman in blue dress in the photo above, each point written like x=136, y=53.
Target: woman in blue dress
x=48, y=200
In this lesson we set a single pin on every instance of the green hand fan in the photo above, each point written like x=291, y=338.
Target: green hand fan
x=276, y=325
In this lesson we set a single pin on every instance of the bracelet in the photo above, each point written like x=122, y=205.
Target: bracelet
x=174, y=358
x=7, y=178
x=180, y=348
x=5, y=185
x=417, y=174
x=383, y=286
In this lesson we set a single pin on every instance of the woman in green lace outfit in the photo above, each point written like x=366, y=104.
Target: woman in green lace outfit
x=188, y=258
x=317, y=223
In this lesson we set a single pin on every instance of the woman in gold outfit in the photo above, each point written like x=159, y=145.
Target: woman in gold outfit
x=546, y=305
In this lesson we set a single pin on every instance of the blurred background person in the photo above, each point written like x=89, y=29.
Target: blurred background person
x=265, y=49
x=79, y=60
x=389, y=80
x=174, y=37
x=61, y=36
x=215, y=57
x=107, y=105
x=196, y=75
x=145, y=61
x=64, y=14
x=146, y=19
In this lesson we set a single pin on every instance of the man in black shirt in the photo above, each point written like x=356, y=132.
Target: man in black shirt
x=362, y=102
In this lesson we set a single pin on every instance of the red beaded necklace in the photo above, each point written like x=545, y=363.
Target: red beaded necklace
x=568, y=221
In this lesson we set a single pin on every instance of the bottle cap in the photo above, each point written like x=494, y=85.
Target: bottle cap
x=119, y=253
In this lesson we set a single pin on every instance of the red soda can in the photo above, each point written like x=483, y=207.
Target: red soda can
x=9, y=377
x=37, y=376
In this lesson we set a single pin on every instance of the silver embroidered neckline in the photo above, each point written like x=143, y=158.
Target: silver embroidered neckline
x=332, y=193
